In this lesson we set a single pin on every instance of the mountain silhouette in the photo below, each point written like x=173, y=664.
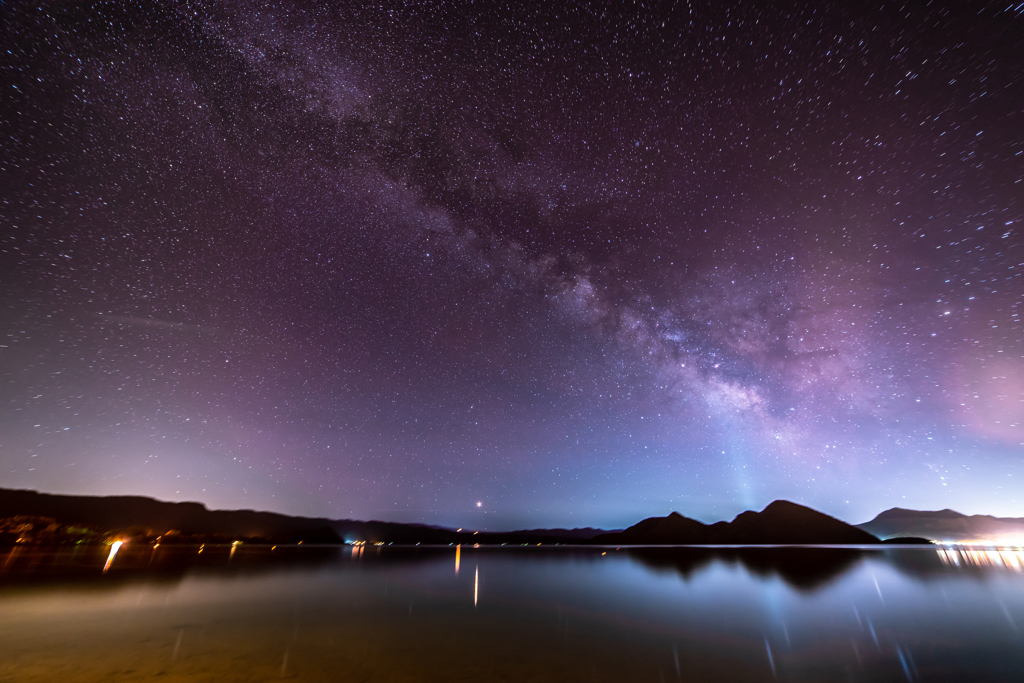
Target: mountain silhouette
x=193, y=522
x=781, y=523
x=948, y=526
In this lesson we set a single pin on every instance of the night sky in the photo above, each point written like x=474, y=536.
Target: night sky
x=494, y=266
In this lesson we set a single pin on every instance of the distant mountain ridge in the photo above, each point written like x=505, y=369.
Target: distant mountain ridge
x=781, y=523
x=193, y=521
x=139, y=513
x=947, y=526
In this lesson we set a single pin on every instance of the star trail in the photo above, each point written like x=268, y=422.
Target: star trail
x=500, y=266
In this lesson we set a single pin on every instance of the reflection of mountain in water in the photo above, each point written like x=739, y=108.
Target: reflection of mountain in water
x=803, y=568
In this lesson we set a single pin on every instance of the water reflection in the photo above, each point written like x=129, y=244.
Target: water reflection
x=606, y=614
x=990, y=558
x=804, y=568
x=114, y=547
x=139, y=562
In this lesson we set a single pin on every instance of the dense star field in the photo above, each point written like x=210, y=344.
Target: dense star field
x=498, y=266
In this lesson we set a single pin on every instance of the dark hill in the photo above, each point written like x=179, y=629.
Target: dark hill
x=194, y=522
x=116, y=513
x=781, y=523
x=903, y=513
x=672, y=530
x=947, y=526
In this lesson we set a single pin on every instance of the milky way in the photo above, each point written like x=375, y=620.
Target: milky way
x=580, y=264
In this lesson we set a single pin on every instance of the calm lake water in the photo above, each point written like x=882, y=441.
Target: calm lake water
x=511, y=614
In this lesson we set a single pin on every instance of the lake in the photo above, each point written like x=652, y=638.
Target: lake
x=367, y=613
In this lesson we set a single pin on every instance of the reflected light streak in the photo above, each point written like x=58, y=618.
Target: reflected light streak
x=458, y=555
x=990, y=557
x=476, y=586
x=113, y=553
x=10, y=556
